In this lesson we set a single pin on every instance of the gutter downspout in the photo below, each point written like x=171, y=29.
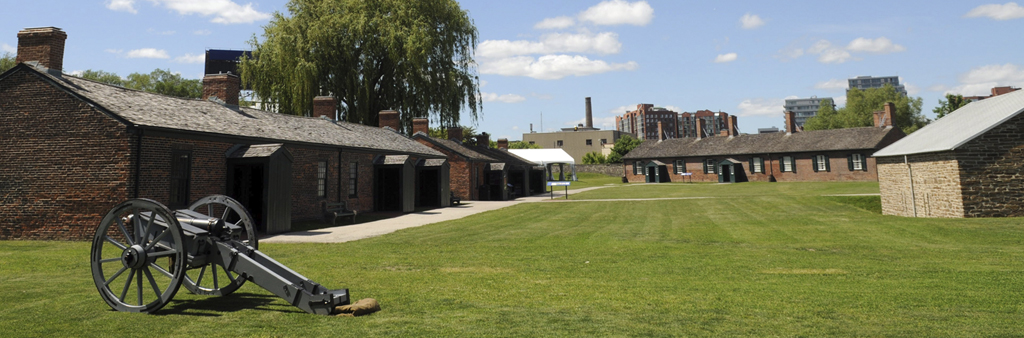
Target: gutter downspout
x=910, y=172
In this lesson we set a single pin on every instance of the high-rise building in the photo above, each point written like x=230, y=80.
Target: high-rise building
x=714, y=123
x=865, y=82
x=804, y=109
x=643, y=122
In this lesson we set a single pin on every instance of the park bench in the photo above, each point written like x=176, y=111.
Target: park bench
x=333, y=210
x=453, y=198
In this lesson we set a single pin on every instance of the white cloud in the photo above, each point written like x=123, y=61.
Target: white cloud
x=515, y=127
x=148, y=53
x=8, y=48
x=839, y=101
x=880, y=45
x=113, y=51
x=1007, y=11
x=202, y=32
x=599, y=122
x=911, y=89
x=981, y=80
x=483, y=83
x=833, y=85
x=762, y=107
x=122, y=6
x=552, y=67
x=507, y=98
x=555, y=23
x=619, y=12
x=674, y=108
x=620, y=110
x=749, y=21
x=827, y=53
x=723, y=58
x=601, y=43
x=189, y=58
x=223, y=11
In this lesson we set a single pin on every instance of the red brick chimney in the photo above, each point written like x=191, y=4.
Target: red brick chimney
x=734, y=129
x=483, y=140
x=503, y=143
x=43, y=44
x=700, y=128
x=455, y=134
x=388, y=118
x=996, y=91
x=421, y=124
x=660, y=133
x=324, y=106
x=790, y=122
x=224, y=87
x=884, y=118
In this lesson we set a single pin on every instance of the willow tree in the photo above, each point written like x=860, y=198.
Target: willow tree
x=415, y=57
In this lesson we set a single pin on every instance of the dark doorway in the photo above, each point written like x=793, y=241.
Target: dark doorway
x=538, y=183
x=518, y=181
x=429, y=181
x=725, y=174
x=388, y=189
x=247, y=185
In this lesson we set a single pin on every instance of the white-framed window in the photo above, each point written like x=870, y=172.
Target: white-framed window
x=821, y=163
x=857, y=162
x=680, y=166
x=638, y=168
x=787, y=164
x=321, y=179
x=756, y=165
x=709, y=166
x=353, y=179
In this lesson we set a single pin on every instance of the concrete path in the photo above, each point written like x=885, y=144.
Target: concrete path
x=353, y=232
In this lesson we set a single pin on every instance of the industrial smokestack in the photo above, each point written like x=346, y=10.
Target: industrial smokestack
x=590, y=115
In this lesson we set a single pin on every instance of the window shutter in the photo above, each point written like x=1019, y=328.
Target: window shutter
x=864, y=162
x=849, y=161
x=828, y=164
x=705, y=165
x=751, y=165
x=792, y=164
x=814, y=162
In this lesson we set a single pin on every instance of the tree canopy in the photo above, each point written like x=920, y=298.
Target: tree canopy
x=595, y=157
x=860, y=106
x=949, y=105
x=6, y=62
x=158, y=81
x=522, y=145
x=415, y=57
x=622, y=146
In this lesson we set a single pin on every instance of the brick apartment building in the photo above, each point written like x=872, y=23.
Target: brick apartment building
x=996, y=91
x=74, y=148
x=966, y=164
x=715, y=123
x=648, y=122
x=824, y=155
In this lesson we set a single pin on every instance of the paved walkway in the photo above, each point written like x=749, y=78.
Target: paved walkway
x=353, y=232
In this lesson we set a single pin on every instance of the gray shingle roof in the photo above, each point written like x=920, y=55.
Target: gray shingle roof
x=960, y=126
x=771, y=143
x=147, y=110
x=455, y=147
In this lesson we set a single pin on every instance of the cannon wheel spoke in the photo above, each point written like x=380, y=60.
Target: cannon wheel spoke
x=229, y=210
x=154, y=233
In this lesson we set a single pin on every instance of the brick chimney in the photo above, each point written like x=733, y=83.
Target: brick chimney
x=700, y=128
x=224, y=87
x=421, y=124
x=790, y=122
x=884, y=118
x=483, y=140
x=388, y=118
x=734, y=129
x=455, y=134
x=43, y=44
x=503, y=144
x=590, y=115
x=324, y=106
x=661, y=133
x=996, y=91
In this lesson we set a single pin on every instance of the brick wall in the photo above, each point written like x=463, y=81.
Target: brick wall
x=936, y=186
x=991, y=171
x=838, y=171
x=208, y=174
x=461, y=172
x=363, y=202
x=306, y=163
x=64, y=164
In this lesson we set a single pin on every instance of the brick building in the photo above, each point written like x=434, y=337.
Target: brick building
x=996, y=91
x=824, y=155
x=74, y=148
x=468, y=172
x=714, y=123
x=648, y=122
x=966, y=164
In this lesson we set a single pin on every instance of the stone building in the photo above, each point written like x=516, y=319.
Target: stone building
x=823, y=155
x=74, y=148
x=966, y=164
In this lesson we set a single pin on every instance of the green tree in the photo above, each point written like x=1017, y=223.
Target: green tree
x=468, y=133
x=861, y=104
x=594, y=157
x=622, y=146
x=824, y=119
x=7, y=62
x=949, y=105
x=158, y=81
x=104, y=77
x=415, y=57
x=522, y=145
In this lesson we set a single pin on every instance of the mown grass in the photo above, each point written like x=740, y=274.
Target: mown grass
x=587, y=180
x=779, y=260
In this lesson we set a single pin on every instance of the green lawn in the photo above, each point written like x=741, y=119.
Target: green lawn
x=753, y=260
x=587, y=180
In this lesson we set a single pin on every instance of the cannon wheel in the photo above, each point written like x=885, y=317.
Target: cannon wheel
x=214, y=279
x=125, y=254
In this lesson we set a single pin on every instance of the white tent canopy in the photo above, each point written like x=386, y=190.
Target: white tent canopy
x=547, y=158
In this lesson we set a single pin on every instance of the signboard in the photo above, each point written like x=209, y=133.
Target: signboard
x=558, y=183
x=687, y=174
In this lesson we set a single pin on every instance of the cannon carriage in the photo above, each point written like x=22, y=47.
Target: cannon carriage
x=143, y=252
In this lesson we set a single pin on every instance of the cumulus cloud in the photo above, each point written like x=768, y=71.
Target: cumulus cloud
x=981, y=80
x=222, y=11
x=674, y=108
x=833, y=85
x=601, y=43
x=619, y=12
x=751, y=21
x=189, y=58
x=551, y=67
x=880, y=45
x=8, y=48
x=507, y=98
x=762, y=107
x=723, y=58
x=555, y=23
x=148, y=53
x=122, y=6
x=599, y=122
x=1007, y=11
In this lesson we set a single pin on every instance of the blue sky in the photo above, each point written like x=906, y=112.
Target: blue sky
x=543, y=57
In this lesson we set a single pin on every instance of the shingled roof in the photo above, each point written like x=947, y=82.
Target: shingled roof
x=150, y=111
x=505, y=156
x=770, y=143
x=455, y=147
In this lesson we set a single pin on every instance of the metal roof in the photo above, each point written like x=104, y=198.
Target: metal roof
x=959, y=127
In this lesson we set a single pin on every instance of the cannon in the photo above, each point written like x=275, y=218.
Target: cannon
x=143, y=252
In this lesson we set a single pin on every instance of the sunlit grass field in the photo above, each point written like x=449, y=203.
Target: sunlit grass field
x=750, y=259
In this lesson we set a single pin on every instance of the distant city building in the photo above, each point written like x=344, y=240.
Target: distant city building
x=996, y=91
x=714, y=123
x=865, y=82
x=643, y=122
x=767, y=130
x=579, y=140
x=804, y=109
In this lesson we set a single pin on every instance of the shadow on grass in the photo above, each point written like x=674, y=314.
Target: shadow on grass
x=871, y=204
x=216, y=306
